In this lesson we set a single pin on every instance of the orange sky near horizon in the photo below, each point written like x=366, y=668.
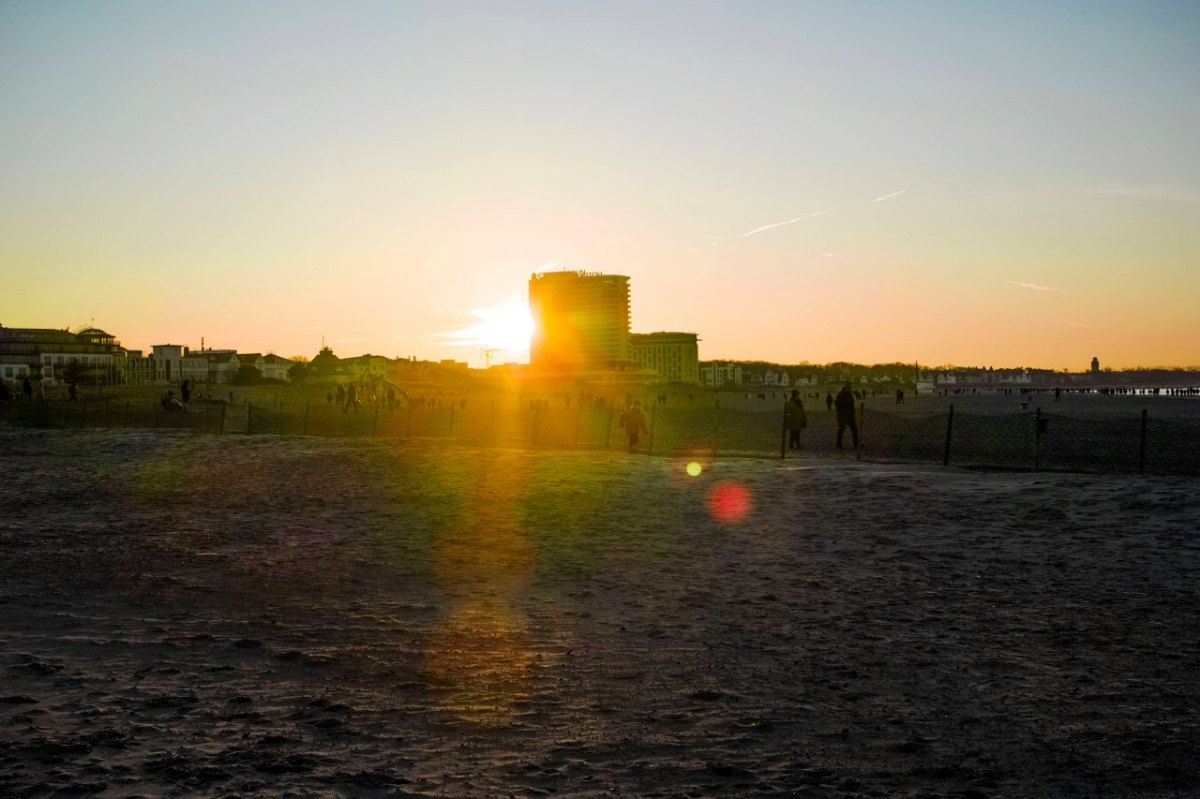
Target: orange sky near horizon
x=867, y=184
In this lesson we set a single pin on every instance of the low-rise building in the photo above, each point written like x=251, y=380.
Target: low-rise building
x=209, y=366
x=275, y=367
x=674, y=357
x=54, y=357
x=716, y=375
x=166, y=362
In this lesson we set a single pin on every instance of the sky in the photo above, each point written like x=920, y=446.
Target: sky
x=1004, y=184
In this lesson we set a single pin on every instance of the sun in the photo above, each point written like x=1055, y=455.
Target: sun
x=506, y=328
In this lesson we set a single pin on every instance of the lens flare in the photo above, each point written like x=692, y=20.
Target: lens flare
x=729, y=502
x=693, y=469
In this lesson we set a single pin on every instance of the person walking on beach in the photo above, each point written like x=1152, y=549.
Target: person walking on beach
x=634, y=422
x=795, y=419
x=845, y=414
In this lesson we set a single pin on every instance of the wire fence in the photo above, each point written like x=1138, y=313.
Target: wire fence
x=1029, y=440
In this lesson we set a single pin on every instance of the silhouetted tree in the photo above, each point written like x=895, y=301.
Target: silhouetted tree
x=247, y=375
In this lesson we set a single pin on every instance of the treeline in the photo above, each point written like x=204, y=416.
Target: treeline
x=908, y=373
x=838, y=371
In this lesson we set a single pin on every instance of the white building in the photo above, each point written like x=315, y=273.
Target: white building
x=166, y=362
x=209, y=366
x=720, y=374
x=274, y=367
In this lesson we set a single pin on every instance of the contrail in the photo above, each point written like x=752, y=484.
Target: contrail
x=1033, y=286
x=780, y=224
x=889, y=196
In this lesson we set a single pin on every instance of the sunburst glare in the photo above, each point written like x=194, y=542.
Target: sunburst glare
x=501, y=329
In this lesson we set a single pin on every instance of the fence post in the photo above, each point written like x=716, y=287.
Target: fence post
x=783, y=434
x=305, y=418
x=1037, y=440
x=949, y=428
x=716, y=422
x=1142, y=447
x=862, y=415
x=653, y=416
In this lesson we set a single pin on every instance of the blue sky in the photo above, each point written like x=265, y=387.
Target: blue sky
x=266, y=173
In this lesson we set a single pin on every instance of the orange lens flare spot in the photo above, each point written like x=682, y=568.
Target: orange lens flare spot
x=694, y=469
x=729, y=502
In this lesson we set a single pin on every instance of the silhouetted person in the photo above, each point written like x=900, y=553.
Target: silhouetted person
x=845, y=414
x=899, y=396
x=828, y=401
x=634, y=422
x=72, y=392
x=185, y=392
x=1058, y=395
x=27, y=388
x=329, y=398
x=341, y=394
x=795, y=419
x=351, y=398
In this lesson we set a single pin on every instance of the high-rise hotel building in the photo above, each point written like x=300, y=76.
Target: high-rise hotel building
x=580, y=322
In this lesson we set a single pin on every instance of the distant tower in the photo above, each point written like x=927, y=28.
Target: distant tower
x=581, y=322
x=1095, y=366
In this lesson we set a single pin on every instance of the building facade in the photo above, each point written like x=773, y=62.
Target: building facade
x=209, y=366
x=275, y=367
x=167, y=362
x=89, y=356
x=716, y=375
x=674, y=356
x=581, y=322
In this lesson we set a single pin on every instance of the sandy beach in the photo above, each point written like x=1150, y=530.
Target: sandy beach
x=190, y=615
